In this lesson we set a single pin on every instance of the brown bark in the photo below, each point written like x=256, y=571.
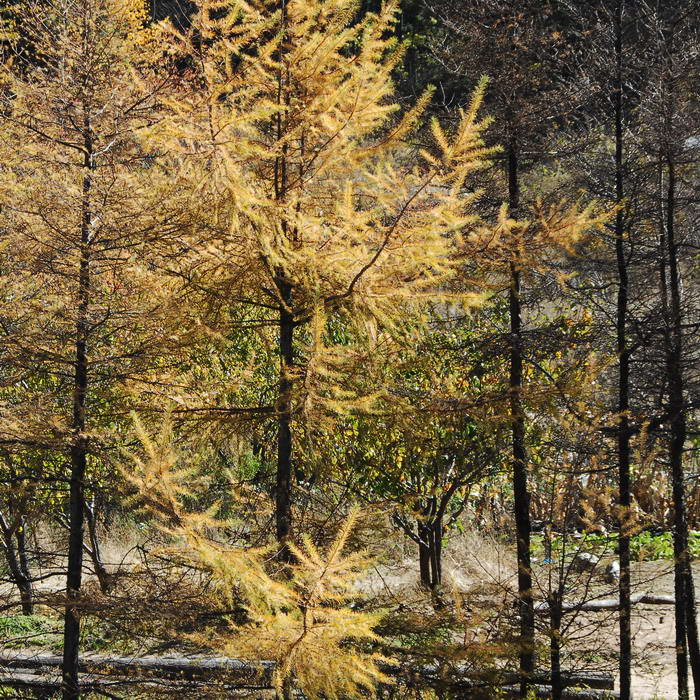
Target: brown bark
x=684, y=588
x=15, y=555
x=521, y=493
x=283, y=487
x=79, y=448
x=623, y=388
x=26, y=585
x=555, y=616
x=105, y=579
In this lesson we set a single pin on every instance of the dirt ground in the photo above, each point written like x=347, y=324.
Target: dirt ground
x=654, y=635
x=473, y=560
x=655, y=675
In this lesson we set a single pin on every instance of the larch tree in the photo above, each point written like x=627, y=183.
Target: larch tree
x=624, y=356
x=320, y=213
x=529, y=101
x=618, y=61
x=84, y=308
x=670, y=114
x=605, y=64
x=299, y=621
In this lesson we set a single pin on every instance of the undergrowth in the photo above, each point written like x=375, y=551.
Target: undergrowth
x=645, y=546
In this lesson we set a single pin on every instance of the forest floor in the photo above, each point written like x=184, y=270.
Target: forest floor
x=474, y=561
x=654, y=634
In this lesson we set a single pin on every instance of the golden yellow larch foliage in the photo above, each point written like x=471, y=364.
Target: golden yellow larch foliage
x=160, y=486
x=86, y=313
x=319, y=626
x=299, y=621
x=317, y=204
x=81, y=196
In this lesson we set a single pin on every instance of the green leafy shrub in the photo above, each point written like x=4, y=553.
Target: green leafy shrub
x=645, y=546
x=29, y=630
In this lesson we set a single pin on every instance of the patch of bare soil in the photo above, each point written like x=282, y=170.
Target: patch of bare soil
x=654, y=634
x=472, y=561
x=653, y=629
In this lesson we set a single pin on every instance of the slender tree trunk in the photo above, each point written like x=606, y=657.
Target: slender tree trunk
x=430, y=552
x=520, y=486
x=435, y=569
x=437, y=552
x=26, y=589
x=686, y=620
x=423, y=555
x=19, y=577
x=686, y=624
x=555, y=616
x=426, y=556
x=692, y=627
x=623, y=396
x=79, y=448
x=283, y=488
x=105, y=579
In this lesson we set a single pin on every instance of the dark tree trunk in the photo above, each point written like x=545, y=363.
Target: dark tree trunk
x=106, y=580
x=79, y=448
x=436, y=554
x=13, y=546
x=692, y=627
x=423, y=556
x=520, y=486
x=429, y=529
x=555, y=616
x=680, y=535
x=26, y=588
x=283, y=487
x=686, y=624
x=623, y=353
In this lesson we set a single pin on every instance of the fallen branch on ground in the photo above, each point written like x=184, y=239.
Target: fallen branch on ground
x=608, y=603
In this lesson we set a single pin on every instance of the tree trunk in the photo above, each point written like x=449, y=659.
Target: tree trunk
x=79, y=448
x=20, y=574
x=26, y=588
x=555, y=615
x=283, y=487
x=429, y=530
x=520, y=487
x=423, y=555
x=106, y=580
x=435, y=572
x=692, y=628
x=623, y=353
x=436, y=554
x=686, y=624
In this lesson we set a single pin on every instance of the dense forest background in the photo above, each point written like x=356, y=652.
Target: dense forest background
x=349, y=349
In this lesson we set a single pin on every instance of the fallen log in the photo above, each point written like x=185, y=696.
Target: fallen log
x=569, y=693
x=542, y=607
x=46, y=687
x=590, y=679
x=39, y=671
x=256, y=675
